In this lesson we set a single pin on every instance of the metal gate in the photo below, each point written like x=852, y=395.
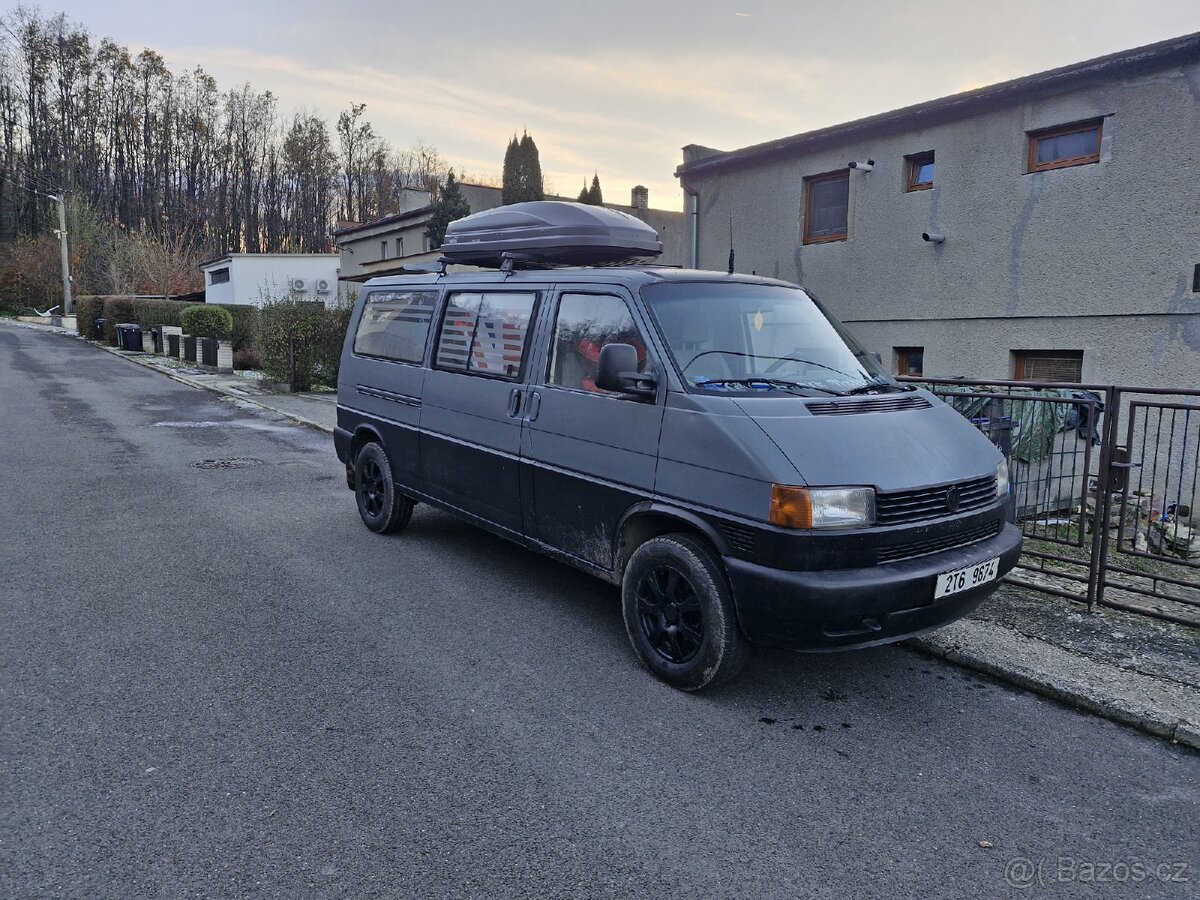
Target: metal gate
x=1106, y=483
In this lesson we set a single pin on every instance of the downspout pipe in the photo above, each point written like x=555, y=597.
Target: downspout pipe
x=693, y=222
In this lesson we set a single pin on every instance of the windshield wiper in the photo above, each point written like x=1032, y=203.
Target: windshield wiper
x=881, y=384
x=877, y=386
x=777, y=383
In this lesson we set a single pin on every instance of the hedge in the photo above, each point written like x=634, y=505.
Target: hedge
x=149, y=313
x=301, y=342
x=119, y=310
x=87, y=310
x=320, y=330
x=247, y=322
x=207, y=320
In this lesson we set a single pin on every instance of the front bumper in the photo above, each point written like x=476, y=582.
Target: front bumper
x=843, y=609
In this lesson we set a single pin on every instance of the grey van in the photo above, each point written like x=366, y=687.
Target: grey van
x=717, y=445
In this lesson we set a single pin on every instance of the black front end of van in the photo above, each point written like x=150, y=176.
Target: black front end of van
x=841, y=591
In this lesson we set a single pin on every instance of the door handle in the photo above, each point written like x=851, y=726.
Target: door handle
x=514, y=403
x=533, y=407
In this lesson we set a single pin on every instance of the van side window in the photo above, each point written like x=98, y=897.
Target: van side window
x=485, y=333
x=585, y=324
x=394, y=325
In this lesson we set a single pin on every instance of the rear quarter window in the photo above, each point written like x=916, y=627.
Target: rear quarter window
x=395, y=324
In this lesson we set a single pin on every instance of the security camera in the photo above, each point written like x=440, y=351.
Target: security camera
x=933, y=237
x=863, y=166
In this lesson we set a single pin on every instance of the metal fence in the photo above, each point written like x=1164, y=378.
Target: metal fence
x=1105, y=481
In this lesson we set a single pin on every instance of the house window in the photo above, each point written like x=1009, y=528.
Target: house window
x=1048, y=365
x=383, y=250
x=1065, y=145
x=826, y=207
x=218, y=276
x=910, y=361
x=918, y=171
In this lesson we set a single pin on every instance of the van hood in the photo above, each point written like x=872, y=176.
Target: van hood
x=891, y=450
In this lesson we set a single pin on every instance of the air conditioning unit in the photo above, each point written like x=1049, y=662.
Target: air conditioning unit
x=297, y=284
x=324, y=286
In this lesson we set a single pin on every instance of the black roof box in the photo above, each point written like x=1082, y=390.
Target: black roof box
x=549, y=232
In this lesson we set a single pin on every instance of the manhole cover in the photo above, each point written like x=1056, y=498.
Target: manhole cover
x=232, y=462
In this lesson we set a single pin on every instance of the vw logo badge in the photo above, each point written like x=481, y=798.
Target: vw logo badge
x=952, y=499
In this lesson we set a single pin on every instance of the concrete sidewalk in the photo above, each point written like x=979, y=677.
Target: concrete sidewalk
x=315, y=409
x=1130, y=669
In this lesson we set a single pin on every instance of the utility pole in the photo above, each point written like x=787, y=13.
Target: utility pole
x=67, y=305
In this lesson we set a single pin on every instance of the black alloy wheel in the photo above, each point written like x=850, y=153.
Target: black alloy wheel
x=383, y=508
x=669, y=613
x=372, y=487
x=679, y=613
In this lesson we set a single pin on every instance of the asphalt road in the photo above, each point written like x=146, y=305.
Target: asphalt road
x=217, y=682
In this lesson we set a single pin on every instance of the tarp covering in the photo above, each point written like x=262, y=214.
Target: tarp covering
x=1034, y=422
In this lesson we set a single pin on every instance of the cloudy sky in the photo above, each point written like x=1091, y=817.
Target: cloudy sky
x=619, y=86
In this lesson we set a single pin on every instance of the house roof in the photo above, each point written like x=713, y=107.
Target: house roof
x=1152, y=56
x=407, y=215
x=395, y=218
x=226, y=257
x=416, y=215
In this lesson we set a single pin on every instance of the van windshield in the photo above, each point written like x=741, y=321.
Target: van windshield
x=749, y=338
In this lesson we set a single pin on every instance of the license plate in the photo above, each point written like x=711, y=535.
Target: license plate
x=965, y=579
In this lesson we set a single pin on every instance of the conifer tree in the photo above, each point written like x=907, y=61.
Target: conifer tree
x=451, y=205
x=585, y=194
x=510, y=184
x=532, y=185
x=595, y=197
x=522, y=172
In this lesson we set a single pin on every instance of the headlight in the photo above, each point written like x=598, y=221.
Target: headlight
x=1002, y=478
x=798, y=507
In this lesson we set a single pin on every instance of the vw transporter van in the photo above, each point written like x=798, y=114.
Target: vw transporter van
x=716, y=445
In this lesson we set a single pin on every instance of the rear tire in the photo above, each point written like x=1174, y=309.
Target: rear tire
x=382, y=507
x=679, y=615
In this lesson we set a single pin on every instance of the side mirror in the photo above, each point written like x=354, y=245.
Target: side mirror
x=617, y=371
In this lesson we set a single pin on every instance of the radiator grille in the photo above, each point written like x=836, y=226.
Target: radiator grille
x=934, y=545
x=872, y=405
x=933, y=503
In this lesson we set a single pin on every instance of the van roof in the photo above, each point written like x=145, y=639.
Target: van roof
x=629, y=276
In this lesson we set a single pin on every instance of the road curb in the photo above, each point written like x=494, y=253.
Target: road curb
x=216, y=389
x=1152, y=705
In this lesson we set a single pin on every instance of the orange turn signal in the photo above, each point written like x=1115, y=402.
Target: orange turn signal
x=791, y=507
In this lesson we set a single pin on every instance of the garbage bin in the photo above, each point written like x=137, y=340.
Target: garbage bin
x=189, y=348
x=157, y=336
x=133, y=336
x=173, y=345
x=998, y=430
x=100, y=323
x=120, y=330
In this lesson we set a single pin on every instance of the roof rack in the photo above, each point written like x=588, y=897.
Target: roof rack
x=547, y=233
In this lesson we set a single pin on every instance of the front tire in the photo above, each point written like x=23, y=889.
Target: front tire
x=382, y=507
x=679, y=614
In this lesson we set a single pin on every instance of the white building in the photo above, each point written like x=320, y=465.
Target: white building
x=252, y=278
